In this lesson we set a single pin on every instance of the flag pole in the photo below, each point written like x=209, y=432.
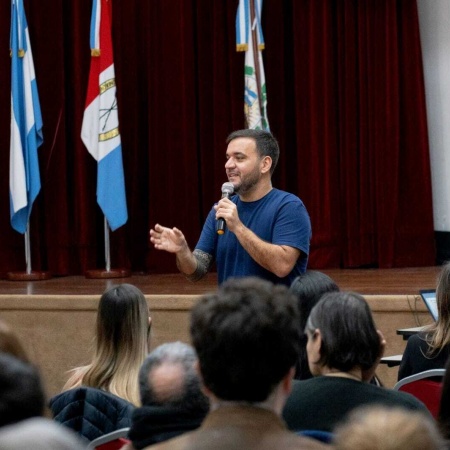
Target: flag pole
x=28, y=248
x=107, y=272
x=107, y=248
x=256, y=51
x=28, y=275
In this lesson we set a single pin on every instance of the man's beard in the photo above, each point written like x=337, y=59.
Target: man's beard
x=248, y=183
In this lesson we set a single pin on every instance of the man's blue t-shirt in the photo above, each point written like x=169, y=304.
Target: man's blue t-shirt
x=279, y=218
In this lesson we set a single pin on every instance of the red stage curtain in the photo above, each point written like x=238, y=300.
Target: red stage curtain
x=346, y=101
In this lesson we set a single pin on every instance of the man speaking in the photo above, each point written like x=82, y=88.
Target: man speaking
x=267, y=232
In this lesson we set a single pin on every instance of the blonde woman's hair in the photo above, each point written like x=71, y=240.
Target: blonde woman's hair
x=438, y=334
x=121, y=344
x=382, y=428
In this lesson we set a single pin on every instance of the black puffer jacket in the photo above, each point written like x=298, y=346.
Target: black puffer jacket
x=91, y=412
x=153, y=424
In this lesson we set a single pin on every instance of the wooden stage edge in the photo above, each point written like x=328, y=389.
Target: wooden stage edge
x=55, y=318
x=365, y=281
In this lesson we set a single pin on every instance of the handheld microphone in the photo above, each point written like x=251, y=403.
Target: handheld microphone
x=227, y=190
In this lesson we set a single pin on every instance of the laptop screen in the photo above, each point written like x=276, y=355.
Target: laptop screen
x=429, y=298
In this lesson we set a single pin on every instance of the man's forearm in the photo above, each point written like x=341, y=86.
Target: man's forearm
x=194, y=265
x=186, y=261
x=275, y=258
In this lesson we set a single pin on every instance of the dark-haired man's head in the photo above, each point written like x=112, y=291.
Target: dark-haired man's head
x=265, y=143
x=21, y=392
x=309, y=288
x=168, y=377
x=247, y=339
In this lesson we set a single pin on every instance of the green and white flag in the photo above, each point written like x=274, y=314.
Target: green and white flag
x=248, y=29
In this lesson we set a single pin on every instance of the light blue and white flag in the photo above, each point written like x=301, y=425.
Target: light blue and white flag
x=255, y=94
x=26, y=123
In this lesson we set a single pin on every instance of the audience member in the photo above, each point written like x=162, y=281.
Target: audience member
x=21, y=392
x=444, y=408
x=344, y=349
x=247, y=339
x=10, y=343
x=38, y=434
x=171, y=395
x=121, y=344
x=381, y=428
x=308, y=288
x=431, y=348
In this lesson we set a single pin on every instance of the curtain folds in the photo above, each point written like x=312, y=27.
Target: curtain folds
x=345, y=99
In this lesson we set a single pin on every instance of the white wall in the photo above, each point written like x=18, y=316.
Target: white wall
x=434, y=20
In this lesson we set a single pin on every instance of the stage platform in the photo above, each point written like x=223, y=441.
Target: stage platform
x=55, y=318
x=364, y=281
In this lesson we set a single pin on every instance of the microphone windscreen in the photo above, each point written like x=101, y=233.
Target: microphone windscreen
x=227, y=188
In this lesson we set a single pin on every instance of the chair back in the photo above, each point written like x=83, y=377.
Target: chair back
x=426, y=386
x=111, y=441
x=318, y=435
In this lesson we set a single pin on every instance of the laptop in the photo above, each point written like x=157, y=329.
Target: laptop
x=429, y=298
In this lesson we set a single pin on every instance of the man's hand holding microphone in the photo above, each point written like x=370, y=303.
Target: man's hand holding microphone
x=225, y=208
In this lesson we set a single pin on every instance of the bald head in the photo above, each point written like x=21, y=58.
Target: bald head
x=168, y=380
x=168, y=377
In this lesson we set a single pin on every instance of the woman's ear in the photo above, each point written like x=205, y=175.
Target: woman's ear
x=369, y=373
x=313, y=350
x=317, y=338
x=149, y=328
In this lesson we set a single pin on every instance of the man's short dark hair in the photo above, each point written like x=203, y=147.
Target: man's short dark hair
x=348, y=332
x=190, y=396
x=21, y=392
x=247, y=338
x=309, y=288
x=266, y=144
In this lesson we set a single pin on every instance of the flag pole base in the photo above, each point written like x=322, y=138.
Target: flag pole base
x=105, y=274
x=34, y=275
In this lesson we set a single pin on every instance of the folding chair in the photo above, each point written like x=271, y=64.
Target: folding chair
x=426, y=386
x=318, y=435
x=111, y=441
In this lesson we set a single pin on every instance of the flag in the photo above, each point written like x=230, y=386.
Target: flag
x=255, y=94
x=100, y=129
x=26, y=123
